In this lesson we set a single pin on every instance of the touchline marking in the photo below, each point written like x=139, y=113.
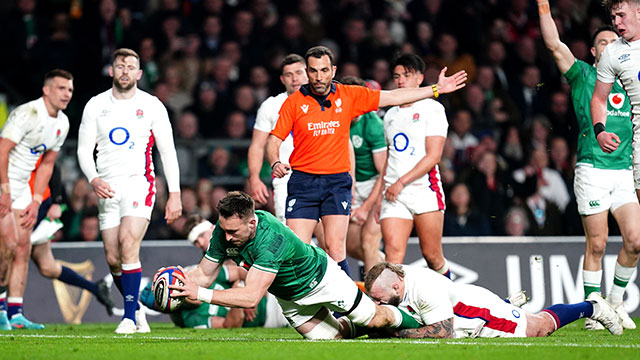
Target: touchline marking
x=377, y=341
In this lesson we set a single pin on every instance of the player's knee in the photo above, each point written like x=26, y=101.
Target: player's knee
x=632, y=247
x=327, y=329
x=113, y=260
x=48, y=270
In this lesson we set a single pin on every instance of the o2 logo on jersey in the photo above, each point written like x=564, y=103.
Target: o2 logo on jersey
x=616, y=100
x=119, y=135
x=401, y=143
x=38, y=149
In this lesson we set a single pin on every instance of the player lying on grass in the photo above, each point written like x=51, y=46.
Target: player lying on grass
x=199, y=315
x=307, y=283
x=446, y=309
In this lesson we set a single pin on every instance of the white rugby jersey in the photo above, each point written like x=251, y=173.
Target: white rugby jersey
x=405, y=130
x=34, y=132
x=427, y=295
x=266, y=120
x=125, y=132
x=622, y=59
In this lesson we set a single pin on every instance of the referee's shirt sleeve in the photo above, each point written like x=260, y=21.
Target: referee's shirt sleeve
x=286, y=117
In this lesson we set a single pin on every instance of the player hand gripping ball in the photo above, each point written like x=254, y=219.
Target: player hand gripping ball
x=161, y=291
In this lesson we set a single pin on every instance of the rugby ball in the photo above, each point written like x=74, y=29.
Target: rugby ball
x=161, y=291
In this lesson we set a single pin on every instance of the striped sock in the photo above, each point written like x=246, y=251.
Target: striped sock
x=3, y=301
x=620, y=280
x=131, y=277
x=564, y=314
x=591, y=281
x=14, y=306
x=445, y=270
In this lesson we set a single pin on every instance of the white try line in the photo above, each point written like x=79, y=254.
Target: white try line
x=425, y=342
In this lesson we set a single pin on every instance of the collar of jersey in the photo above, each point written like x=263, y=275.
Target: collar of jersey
x=306, y=91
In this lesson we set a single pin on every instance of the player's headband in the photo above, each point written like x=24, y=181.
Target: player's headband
x=198, y=229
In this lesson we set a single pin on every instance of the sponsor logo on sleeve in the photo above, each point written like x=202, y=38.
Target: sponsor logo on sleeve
x=624, y=58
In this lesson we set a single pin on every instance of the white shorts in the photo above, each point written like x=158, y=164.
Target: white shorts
x=280, y=196
x=274, y=316
x=599, y=190
x=362, y=191
x=414, y=200
x=337, y=292
x=134, y=196
x=481, y=313
x=20, y=195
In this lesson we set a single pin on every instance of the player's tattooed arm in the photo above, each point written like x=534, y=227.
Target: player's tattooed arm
x=440, y=330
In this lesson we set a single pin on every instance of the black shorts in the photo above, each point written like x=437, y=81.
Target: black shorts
x=311, y=196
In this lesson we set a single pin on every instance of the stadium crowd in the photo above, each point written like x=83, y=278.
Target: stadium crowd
x=507, y=165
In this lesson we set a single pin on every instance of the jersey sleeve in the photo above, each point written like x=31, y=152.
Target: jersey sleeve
x=364, y=99
x=163, y=134
x=576, y=73
x=265, y=121
x=269, y=255
x=433, y=306
x=21, y=121
x=216, y=252
x=87, y=141
x=606, y=67
x=436, y=124
x=286, y=116
x=375, y=133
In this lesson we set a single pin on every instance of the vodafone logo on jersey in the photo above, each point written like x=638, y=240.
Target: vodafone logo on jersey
x=616, y=100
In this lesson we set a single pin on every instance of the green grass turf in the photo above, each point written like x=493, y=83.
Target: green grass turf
x=97, y=341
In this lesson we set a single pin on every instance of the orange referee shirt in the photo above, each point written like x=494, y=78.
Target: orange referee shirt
x=321, y=132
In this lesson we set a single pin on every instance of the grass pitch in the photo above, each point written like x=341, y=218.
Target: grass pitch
x=97, y=341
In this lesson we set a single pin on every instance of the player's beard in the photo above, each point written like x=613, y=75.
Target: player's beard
x=316, y=88
x=121, y=88
x=394, y=301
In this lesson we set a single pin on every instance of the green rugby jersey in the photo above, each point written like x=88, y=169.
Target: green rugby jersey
x=582, y=79
x=299, y=267
x=367, y=136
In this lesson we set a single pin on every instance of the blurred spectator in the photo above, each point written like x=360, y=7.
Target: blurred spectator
x=353, y=44
x=461, y=218
x=475, y=101
x=447, y=55
x=461, y=138
x=244, y=102
x=422, y=43
x=539, y=130
x=497, y=55
x=526, y=94
x=178, y=98
x=210, y=120
x=380, y=73
x=217, y=193
x=217, y=163
x=210, y=37
x=266, y=14
x=380, y=39
x=562, y=117
x=188, y=147
x=550, y=185
x=259, y=81
x=511, y=148
x=313, y=29
x=236, y=126
x=148, y=64
x=292, y=40
x=544, y=217
x=189, y=201
x=516, y=222
x=89, y=226
x=560, y=161
x=490, y=190
x=203, y=191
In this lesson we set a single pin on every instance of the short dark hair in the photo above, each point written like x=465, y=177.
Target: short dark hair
x=374, y=273
x=291, y=59
x=236, y=203
x=192, y=221
x=124, y=52
x=610, y=4
x=353, y=80
x=318, y=52
x=57, y=73
x=599, y=30
x=411, y=62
